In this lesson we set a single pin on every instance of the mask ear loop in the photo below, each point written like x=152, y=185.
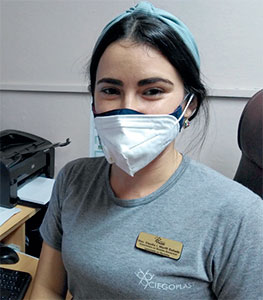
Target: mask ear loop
x=187, y=105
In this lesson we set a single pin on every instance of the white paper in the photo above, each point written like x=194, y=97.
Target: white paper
x=37, y=190
x=7, y=213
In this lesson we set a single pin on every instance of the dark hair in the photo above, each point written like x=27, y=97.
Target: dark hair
x=149, y=30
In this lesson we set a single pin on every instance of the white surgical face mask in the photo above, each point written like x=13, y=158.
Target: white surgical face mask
x=132, y=140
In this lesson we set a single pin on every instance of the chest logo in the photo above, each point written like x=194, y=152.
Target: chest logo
x=148, y=280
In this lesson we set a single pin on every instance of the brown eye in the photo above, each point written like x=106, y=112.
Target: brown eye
x=153, y=92
x=110, y=91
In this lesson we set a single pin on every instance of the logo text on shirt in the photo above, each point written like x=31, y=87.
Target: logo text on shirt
x=147, y=281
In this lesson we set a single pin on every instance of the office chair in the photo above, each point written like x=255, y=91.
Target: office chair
x=250, y=139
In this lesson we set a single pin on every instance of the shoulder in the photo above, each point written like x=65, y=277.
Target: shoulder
x=81, y=164
x=221, y=193
x=82, y=169
x=85, y=164
x=77, y=177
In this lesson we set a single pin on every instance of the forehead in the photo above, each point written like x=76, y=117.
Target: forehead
x=130, y=58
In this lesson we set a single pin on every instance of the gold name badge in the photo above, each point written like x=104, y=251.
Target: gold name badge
x=158, y=245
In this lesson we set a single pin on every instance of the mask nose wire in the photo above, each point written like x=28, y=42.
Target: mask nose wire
x=187, y=105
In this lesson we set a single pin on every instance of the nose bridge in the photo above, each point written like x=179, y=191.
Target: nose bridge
x=128, y=100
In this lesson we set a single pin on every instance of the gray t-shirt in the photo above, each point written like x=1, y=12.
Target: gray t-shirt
x=218, y=221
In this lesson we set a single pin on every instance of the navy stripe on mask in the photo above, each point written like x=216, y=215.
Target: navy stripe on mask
x=126, y=111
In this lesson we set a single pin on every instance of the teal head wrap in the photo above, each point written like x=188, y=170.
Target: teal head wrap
x=148, y=9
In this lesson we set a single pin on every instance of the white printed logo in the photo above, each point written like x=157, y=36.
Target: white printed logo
x=146, y=280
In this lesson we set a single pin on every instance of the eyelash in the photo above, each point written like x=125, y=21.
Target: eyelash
x=110, y=91
x=153, y=92
x=149, y=92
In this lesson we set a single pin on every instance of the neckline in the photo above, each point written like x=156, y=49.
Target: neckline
x=151, y=197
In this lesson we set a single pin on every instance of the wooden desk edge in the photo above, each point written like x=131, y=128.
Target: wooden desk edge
x=28, y=264
x=17, y=220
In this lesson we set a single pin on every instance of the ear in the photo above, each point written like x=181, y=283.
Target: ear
x=93, y=107
x=191, y=108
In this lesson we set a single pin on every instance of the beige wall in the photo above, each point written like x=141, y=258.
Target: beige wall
x=45, y=46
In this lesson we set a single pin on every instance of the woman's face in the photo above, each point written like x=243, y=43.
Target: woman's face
x=136, y=76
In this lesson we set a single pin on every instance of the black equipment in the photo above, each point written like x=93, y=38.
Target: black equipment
x=23, y=156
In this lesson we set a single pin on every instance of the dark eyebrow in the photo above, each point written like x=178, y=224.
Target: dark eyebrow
x=153, y=80
x=140, y=83
x=111, y=81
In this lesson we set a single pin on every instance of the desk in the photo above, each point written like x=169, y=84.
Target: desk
x=28, y=264
x=13, y=230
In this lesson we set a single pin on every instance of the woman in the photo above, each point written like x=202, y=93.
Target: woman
x=148, y=222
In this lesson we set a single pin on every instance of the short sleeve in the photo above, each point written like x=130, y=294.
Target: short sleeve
x=238, y=264
x=51, y=227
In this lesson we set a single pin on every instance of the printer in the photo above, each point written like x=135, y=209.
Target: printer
x=23, y=156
